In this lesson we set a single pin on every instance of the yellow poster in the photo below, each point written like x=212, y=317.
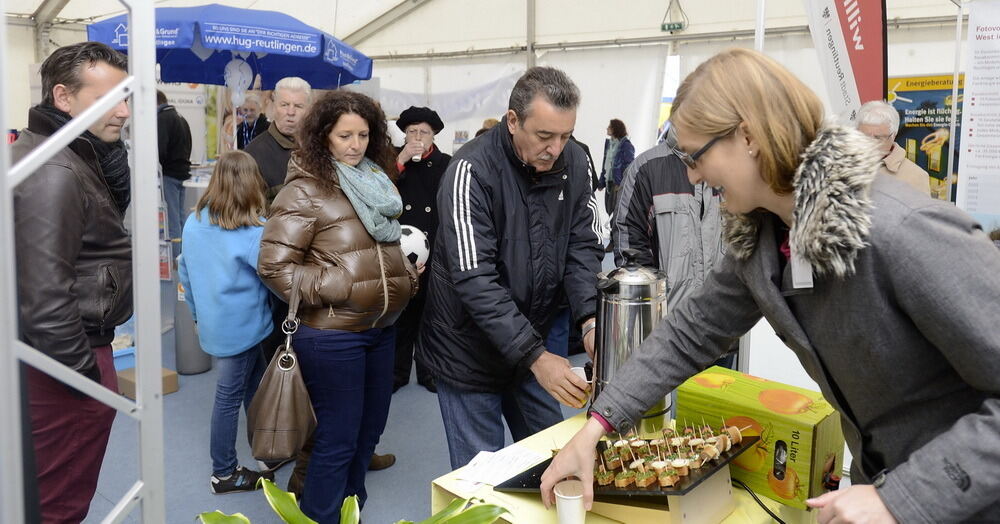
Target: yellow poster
x=925, y=105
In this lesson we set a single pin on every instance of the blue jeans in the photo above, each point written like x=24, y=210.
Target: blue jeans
x=173, y=194
x=239, y=376
x=558, y=340
x=349, y=378
x=472, y=419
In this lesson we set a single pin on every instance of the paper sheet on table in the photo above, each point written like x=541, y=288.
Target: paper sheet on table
x=494, y=468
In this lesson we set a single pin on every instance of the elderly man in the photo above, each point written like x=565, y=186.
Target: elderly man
x=880, y=121
x=421, y=165
x=74, y=270
x=290, y=101
x=252, y=120
x=518, y=234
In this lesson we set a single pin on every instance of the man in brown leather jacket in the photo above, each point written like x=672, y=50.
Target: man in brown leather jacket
x=74, y=270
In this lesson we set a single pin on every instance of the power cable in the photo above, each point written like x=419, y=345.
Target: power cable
x=754, y=495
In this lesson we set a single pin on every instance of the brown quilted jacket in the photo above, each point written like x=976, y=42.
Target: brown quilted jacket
x=350, y=281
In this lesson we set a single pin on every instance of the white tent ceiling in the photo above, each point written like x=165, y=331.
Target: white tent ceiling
x=333, y=16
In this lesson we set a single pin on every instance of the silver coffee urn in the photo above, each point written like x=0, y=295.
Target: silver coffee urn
x=632, y=300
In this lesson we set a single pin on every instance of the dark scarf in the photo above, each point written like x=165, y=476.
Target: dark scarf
x=111, y=156
x=283, y=140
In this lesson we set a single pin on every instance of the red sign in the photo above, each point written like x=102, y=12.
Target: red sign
x=862, y=23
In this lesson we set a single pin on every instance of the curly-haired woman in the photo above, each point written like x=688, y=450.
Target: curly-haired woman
x=335, y=223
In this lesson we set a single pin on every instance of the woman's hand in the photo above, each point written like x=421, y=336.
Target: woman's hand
x=576, y=459
x=854, y=504
x=410, y=150
x=420, y=268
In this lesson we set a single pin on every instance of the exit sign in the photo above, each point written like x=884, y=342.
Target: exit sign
x=672, y=26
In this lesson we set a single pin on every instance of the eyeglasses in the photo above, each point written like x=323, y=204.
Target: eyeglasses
x=689, y=160
x=418, y=132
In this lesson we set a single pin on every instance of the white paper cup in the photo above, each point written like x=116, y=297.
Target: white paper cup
x=580, y=372
x=569, y=502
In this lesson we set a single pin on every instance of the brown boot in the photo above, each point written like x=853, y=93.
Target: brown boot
x=381, y=461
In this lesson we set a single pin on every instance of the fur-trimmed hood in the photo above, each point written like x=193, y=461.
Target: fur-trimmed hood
x=832, y=215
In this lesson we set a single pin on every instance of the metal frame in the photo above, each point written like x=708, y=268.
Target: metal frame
x=685, y=38
x=530, y=33
x=952, y=139
x=382, y=21
x=140, y=86
x=43, y=17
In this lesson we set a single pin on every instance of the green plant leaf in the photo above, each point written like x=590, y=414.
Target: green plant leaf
x=218, y=517
x=350, y=513
x=484, y=514
x=450, y=510
x=283, y=503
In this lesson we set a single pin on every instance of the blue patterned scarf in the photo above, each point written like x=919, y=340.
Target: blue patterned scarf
x=374, y=197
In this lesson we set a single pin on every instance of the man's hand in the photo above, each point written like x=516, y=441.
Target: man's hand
x=420, y=268
x=554, y=374
x=410, y=150
x=854, y=504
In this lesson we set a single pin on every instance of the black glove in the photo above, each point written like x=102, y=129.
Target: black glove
x=602, y=183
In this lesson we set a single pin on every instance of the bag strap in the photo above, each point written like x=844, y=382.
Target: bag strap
x=295, y=296
x=291, y=323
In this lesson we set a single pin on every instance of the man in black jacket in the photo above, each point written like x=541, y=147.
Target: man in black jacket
x=74, y=270
x=518, y=233
x=272, y=149
x=421, y=165
x=174, y=137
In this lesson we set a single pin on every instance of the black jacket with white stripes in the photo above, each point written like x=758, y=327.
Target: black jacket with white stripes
x=511, y=245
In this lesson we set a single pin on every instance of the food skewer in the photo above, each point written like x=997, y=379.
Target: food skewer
x=603, y=476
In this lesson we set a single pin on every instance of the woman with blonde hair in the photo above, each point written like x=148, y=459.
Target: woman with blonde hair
x=218, y=271
x=887, y=297
x=333, y=228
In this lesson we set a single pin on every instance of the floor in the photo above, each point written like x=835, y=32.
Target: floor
x=414, y=434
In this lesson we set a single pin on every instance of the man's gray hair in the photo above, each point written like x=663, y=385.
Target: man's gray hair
x=548, y=82
x=294, y=83
x=878, y=113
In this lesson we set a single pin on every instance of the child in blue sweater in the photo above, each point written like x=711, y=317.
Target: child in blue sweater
x=229, y=303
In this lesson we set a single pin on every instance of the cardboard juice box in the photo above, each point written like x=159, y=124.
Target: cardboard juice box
x=801, y=444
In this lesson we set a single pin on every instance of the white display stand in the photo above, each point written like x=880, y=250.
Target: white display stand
x=709, y=503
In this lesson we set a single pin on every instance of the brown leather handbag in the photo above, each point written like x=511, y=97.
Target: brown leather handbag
x=281, y=416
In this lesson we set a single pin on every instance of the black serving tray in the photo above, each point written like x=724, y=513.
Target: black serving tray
x=651, y=496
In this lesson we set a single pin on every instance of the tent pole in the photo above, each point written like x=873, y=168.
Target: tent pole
x=758, y=35
x=531, y=33
x=953, y=140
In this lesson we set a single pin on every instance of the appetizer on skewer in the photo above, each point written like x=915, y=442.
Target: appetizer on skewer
x=603, y=476
x=624, y=478
x=668, y=477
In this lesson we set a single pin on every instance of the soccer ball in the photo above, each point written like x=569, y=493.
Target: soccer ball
x=414, y=244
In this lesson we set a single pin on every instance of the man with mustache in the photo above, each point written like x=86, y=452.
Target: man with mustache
x=74, y=270
x=518, y=234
